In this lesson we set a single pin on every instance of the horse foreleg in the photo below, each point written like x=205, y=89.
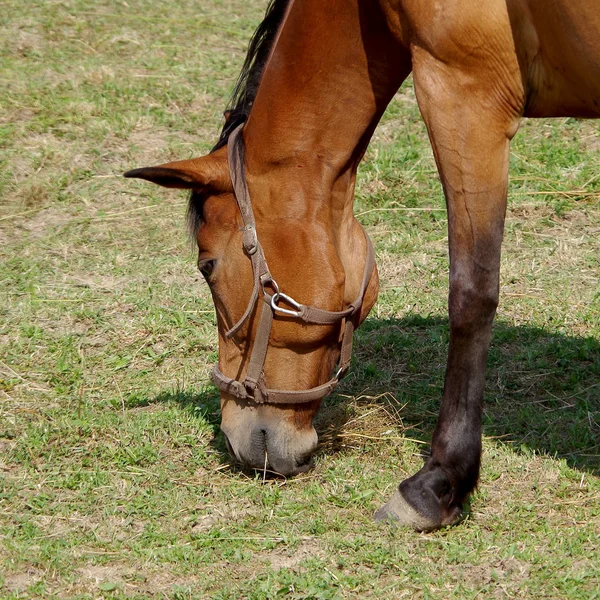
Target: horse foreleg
x=470, y=131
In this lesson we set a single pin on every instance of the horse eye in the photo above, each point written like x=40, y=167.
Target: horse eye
x=206, y=267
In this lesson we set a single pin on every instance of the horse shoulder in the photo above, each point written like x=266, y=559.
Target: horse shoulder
x=564, y=78
x=480, y=49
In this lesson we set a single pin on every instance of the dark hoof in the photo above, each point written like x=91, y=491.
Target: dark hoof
x=400, y=512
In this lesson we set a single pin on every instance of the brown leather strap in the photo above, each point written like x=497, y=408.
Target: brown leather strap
x=236, y=388
x=235, y=155
x=254, y=372
x=253, y=387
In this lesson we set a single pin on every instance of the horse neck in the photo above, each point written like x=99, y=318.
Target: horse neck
x=333, y=70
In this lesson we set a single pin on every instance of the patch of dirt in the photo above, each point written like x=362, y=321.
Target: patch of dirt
x=15, y=115
x=204, y=523
x=101, y=573
x=99, y=75
x=34, y=194
x=201, y=102
x=38, y=225
x=126, y=36
x=6, y=445
x=21, y=169
x=282, y=559
x=177, y=279
x=210, y=516
x=33, y=147
x=106, y=283
x=132, y=578
x=528, y=212
x=7, y=339
x=97, y=341
x=165, y=581
x=19, y=582
x=374, y=186
x=105, y=528
x=28, y=43
x=6, y=238
x=47, y=141
x=53, y=526
x=590, y=136
x=392, y=270
x=150, y=144
x=497, y=573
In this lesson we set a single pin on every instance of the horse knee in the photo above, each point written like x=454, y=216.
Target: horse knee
x=472, y=307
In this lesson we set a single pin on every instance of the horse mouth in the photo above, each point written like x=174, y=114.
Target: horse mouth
x=260, y=458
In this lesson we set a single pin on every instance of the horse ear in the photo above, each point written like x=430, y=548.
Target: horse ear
x=210, y=171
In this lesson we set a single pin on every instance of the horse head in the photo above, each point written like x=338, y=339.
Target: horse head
x=287, y=297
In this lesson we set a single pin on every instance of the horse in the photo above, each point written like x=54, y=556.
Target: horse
x=290, y=268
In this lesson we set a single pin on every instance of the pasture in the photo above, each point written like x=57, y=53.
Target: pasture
x=114, y=479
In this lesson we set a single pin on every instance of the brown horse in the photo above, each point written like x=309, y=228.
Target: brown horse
x=290, y=273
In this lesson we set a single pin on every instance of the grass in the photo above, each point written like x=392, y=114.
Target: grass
x=114, y=481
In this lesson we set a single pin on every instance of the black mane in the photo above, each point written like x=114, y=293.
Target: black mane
x=259, y=49
x=244, y=91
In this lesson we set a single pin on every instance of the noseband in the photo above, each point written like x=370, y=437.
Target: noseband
x=253, y=387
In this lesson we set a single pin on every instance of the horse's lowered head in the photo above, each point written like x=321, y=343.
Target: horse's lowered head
x=288, y=292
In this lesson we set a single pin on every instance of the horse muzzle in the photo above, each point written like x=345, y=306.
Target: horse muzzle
x=278, y=450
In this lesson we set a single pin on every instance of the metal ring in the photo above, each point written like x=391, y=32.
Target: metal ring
x=341, y=371
x=268, y=280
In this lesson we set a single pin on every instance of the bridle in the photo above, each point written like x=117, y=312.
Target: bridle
x=253, y=387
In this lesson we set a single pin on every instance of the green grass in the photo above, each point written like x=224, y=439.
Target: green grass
x=114, y=481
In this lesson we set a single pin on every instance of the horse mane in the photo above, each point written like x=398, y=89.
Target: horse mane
x=246, y=87
x=245, y=90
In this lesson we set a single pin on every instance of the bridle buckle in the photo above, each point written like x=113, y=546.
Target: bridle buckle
x=267, y=280
x=249, y=239
x=277, y=296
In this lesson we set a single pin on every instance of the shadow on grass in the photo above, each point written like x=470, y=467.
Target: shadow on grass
x=542, y=388
x=205, y=405
x=542, y=391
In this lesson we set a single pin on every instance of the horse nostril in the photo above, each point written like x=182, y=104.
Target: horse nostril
x=228, y=445
x=258, y=447
x=304, y=463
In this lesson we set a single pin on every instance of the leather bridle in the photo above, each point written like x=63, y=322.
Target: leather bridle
x=253, y=387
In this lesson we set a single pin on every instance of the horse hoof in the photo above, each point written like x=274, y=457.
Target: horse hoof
x=400, y=512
